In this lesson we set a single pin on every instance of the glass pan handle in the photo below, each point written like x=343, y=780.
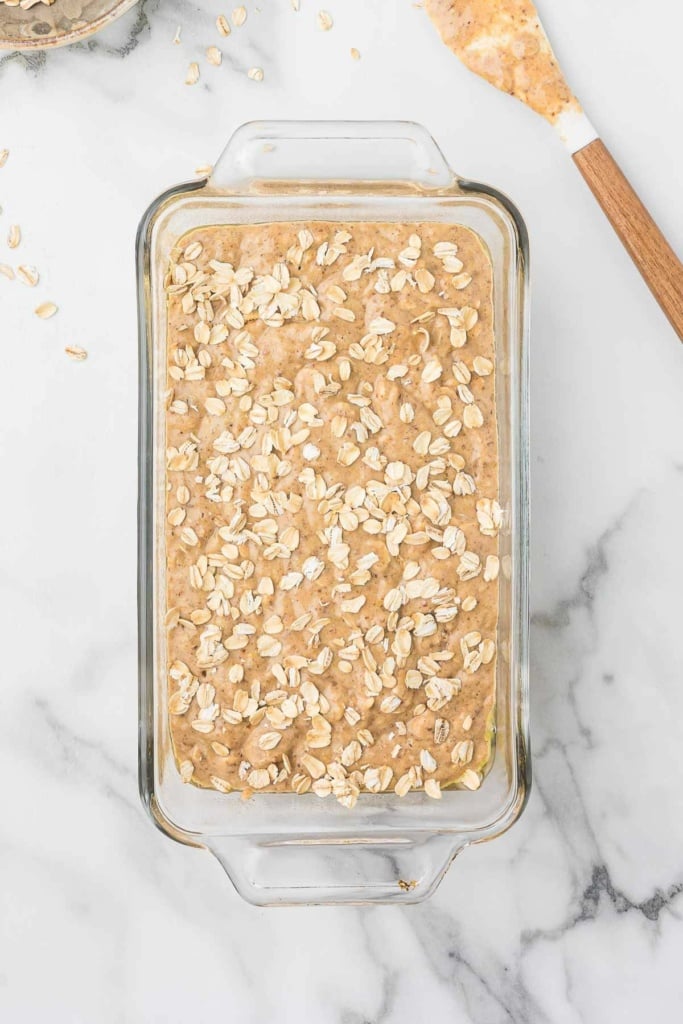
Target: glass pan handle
x=331, y=151
x=280, y=872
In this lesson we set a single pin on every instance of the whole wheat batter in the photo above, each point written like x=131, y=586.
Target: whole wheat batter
x=504, y=42
x=332, y=522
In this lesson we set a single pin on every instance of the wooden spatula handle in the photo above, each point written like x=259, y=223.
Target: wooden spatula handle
x=642, y=239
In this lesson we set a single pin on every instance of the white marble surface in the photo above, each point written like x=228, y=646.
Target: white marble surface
x=573, y=916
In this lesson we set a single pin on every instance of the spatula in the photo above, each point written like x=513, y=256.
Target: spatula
x=505, y=43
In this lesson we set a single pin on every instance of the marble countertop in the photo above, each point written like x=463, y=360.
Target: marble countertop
x=574, y=915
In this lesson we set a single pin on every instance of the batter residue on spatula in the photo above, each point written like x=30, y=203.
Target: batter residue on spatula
x=504, y=42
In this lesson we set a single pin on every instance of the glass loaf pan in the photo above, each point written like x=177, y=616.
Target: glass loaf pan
x=287, y=849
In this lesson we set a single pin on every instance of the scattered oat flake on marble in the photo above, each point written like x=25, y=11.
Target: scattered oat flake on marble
x=28, y=275
x=45, y=310
x=4, y=156
x=76, y=353
x=355, y=53
x=192, y=76
x=239, y=16
x=14, y=236
x=214, y=56
x=325, y=21
x=223, y=25
x=256, y=74
x=176, y=37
